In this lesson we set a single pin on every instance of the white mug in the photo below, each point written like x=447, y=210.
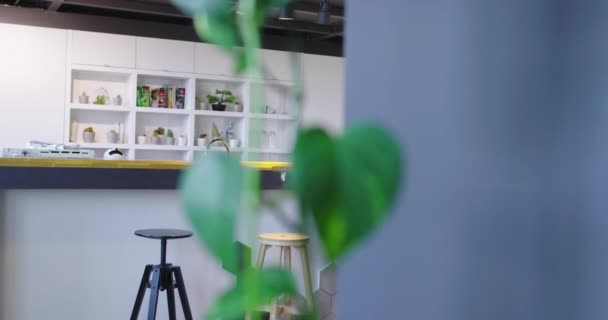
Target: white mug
x=181, y=141
x=141, y=139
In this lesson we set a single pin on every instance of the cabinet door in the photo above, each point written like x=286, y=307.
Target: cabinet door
x=211, y=59
x=165, y=55
x=323, y=82
x=103, y=49
x=277, y=65
x=32, y=89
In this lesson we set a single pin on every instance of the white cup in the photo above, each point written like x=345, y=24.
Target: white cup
x=141, y=139
x=181, y=141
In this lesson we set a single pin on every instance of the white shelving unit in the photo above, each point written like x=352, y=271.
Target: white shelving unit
x=250, y=126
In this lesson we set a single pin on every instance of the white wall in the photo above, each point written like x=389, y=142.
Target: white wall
x=32, y=84
x=72, y=255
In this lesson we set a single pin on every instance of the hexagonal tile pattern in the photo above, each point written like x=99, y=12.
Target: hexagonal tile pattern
x=323, y=301
x=327, y=279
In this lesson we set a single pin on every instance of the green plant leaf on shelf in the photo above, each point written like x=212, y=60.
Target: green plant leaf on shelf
x=348, y=188
x=255, y=288
x=211, y=195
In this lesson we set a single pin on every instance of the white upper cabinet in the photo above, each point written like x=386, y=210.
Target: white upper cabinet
x=165, y=55
x=211, y=59
x=102, y=49
x=276, y=65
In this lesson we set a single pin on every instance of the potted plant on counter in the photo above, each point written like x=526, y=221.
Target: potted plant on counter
x=88, y=135
x=218, y=101
x=170, y=138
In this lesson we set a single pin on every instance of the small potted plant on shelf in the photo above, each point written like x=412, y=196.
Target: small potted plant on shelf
x=155, y=139
x=218, y=101
x=202, y=140
x=100, y=100
x=215, y=132
x=170, y=138
x=83, y=98
x=112, y=136
x=200, y=103
x=161, y=135
x=238, y=107
x=88, y=135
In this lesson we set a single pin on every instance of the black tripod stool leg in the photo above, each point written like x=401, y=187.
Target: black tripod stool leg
x=141, y=292
x=168, y=285
x=154, y=290
x=181, y=288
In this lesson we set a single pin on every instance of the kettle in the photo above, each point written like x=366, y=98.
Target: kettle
x=113, y=154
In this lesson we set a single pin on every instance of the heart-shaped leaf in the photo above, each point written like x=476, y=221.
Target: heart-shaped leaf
x=211, y=195
x=254, y=289
x=347, y=184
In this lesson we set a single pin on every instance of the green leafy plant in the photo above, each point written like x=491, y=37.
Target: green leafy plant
x=160, y=131
x=169, y=133
x=215, y=132
x=155, y=134
x=100, y=100
x=203, y=135
x=345, y=184
x=198, y=100
x=221, y=97
x=88, y=129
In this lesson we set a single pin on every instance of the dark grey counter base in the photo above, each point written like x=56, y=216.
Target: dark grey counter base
x=103, y=178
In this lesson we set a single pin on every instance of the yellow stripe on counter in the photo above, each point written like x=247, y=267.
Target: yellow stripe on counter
x=125, y=164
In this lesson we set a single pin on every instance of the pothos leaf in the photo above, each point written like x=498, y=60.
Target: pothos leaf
x=348, y=184
x=211, y=195
x=255, y=288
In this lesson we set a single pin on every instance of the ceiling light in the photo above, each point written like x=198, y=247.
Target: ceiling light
x=286, y=12
x=324, y=14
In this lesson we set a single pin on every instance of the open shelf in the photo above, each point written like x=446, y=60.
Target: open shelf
x=209, y=86
x=95, y=107
x=161, y=147
x=272, y=116
x=219, y=114
x=95, y=83
x=162, y=110
x=104, y=145
x=170, y=83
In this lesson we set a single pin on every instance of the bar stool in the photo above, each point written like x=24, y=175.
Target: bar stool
x=162, y=277
x=286, y=241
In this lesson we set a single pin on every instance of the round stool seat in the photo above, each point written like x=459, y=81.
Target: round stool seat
x=163, y=234
x=283, y=239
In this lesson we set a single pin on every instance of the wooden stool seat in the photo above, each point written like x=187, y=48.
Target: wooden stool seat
x=283, y=239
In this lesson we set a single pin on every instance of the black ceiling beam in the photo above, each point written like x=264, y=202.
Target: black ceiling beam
x=299, y=26
x=84, y=22
x=157, y=8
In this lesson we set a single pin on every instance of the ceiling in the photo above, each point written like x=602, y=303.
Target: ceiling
x=304, y=26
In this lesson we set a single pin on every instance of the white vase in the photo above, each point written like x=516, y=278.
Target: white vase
x=112, y=137
x=88, y=137
x=170, y=141
x=201, y=142
x=202, y=106
x=117, y=101
x=141, y=139
x=182, y=141
x=83, y=99
x=155, y=140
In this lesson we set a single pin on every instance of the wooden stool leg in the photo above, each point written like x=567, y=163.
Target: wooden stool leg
x=262, y=255
x=154, y=288
x=287, y=266
x=276, y=312
x=141, y=292
x=307, y=278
